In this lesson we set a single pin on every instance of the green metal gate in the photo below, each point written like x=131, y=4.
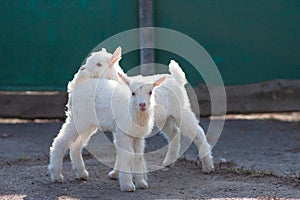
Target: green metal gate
x=43, y=43
x=250, y=41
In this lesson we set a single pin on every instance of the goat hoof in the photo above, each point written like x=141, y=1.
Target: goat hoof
x=82, y=176
x=113, y=174
x=169, y=164
x=207, y=165
x=207, y=169
x=57, y=179
x=146, y=176
x=56, y=176
x=128, y=187
x=142, y=184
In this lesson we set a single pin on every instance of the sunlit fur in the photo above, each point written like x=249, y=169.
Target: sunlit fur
x=173, y=114
x=105, y=105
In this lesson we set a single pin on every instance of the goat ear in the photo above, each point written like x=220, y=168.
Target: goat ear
x=116, y=56
x=159, y=81
x=124, y=79
x=104, y=50
x=83, y=67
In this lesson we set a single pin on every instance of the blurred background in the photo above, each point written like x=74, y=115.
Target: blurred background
x=43, y=43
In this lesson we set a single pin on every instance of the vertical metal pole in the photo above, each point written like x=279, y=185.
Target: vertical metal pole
x=146, y=36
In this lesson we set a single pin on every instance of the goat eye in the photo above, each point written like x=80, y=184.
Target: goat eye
x=99, y=64
x=133, y=94
x=150, y=92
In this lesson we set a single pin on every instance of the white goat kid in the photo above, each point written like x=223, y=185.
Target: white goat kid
x=172, y=114
x=175, y=120
x=130, y=158
x=105, y=105
x=168, y=116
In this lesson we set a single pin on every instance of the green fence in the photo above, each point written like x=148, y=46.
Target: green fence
x=250, y=41
x=43, y=43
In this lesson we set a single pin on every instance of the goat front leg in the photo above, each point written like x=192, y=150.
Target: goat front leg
x=114, y=174
x=125, y=151
x=139, y=166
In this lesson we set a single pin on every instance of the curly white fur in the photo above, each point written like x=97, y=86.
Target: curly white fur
x=106, y=105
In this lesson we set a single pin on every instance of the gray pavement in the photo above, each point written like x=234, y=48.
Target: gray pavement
x=258, y=145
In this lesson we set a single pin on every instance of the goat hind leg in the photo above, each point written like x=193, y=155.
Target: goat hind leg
x=113, y=174
x=191, y=128
x=77, y=160
x=66, y=136
x=172, y=133
x=204, y=151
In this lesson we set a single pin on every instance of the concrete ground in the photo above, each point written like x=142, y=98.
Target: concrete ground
x=257, y=156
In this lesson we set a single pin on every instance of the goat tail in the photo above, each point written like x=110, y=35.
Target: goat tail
x=177, y=72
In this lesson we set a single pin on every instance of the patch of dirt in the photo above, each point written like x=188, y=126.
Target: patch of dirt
x=29, y=179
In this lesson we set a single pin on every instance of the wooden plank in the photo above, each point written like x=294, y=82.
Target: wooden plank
x=31, y=105
x=271, y=96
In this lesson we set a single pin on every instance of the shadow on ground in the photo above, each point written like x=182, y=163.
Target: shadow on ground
x=254, y=158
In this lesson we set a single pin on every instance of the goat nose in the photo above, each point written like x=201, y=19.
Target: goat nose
x=142, y=105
